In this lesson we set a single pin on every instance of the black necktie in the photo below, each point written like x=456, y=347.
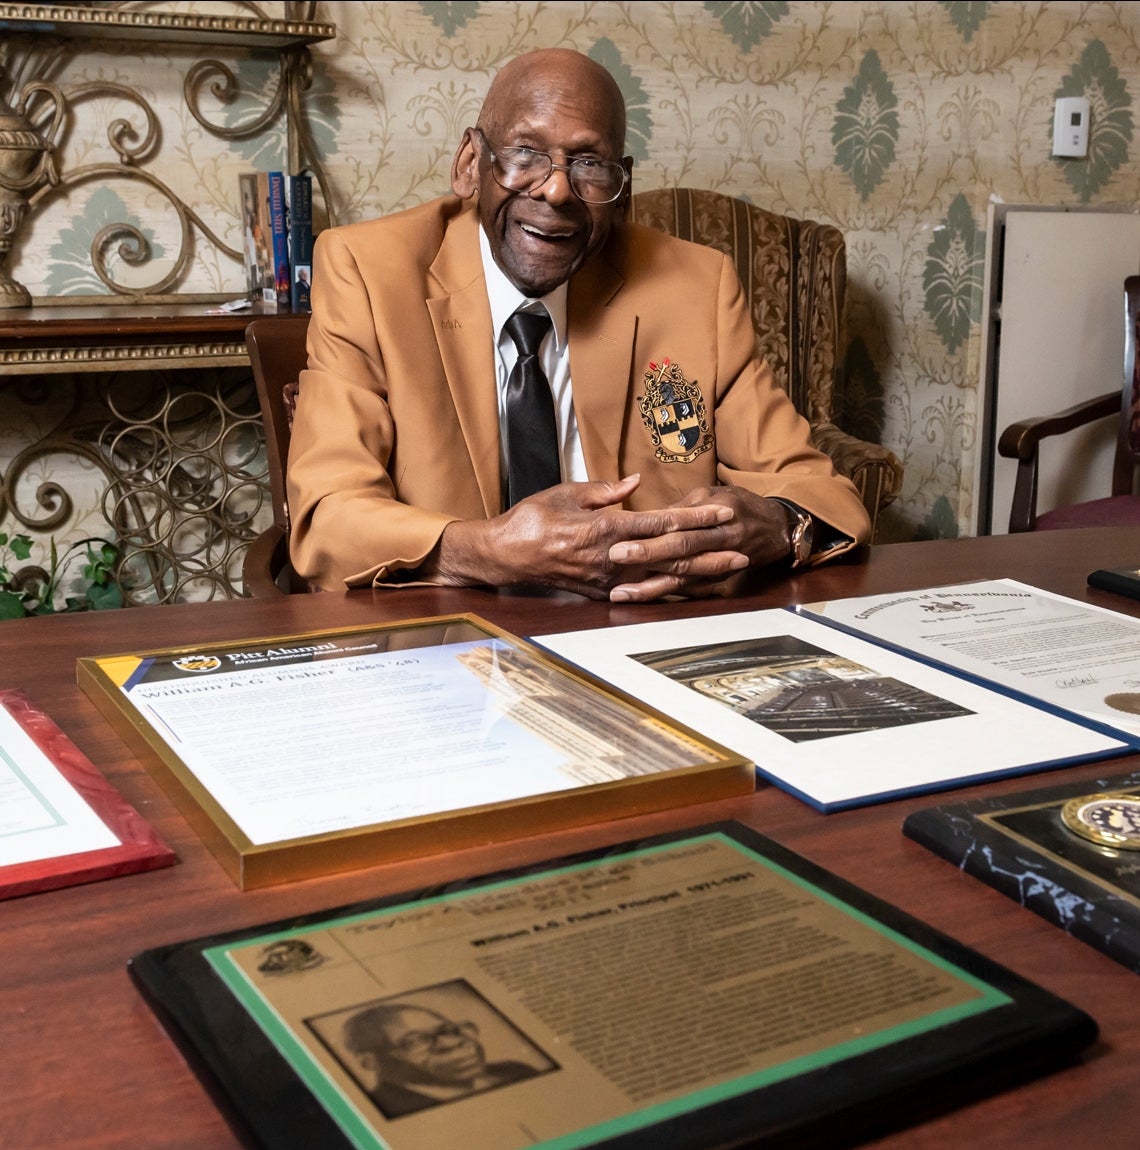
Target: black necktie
x=533, y=458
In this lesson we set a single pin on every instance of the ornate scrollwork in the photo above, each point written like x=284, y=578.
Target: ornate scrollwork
x=176, y=468
x=225, y=89
x=38, y=43
x=133, y=247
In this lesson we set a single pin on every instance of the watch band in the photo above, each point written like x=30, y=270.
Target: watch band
x=800, y=530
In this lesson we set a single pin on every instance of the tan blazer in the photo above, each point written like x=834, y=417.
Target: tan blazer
x=397, y=427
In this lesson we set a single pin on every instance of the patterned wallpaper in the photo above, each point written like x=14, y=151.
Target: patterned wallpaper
x=896, y=121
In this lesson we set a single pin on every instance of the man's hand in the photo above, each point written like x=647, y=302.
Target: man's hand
x=709, y=560
x=566, y=538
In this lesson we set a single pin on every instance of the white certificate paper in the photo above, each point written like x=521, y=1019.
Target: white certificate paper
x=835, y=719
x=1072, y=655
x=41, y=815
x=311, y=738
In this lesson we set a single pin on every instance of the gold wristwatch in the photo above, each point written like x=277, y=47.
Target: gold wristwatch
x=800, y=531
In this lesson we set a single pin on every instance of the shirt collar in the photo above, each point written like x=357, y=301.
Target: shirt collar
x=506, y=299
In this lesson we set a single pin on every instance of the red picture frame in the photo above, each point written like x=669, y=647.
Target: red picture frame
x=139, y=849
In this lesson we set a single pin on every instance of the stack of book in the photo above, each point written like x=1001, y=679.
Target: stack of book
x=277, y=235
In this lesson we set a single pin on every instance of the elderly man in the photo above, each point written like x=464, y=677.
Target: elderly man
x=421, y=1059
x=617, y=438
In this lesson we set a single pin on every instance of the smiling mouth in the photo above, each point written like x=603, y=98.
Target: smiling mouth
x=549, y=235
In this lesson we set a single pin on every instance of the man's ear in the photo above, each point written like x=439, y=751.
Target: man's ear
x=465, y=167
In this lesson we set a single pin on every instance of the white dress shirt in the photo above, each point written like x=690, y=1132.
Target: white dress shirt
x=505, y=300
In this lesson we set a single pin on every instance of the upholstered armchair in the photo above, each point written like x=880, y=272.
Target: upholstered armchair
x=795, y=275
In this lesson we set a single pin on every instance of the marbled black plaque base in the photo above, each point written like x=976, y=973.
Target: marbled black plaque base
x=1020, y=845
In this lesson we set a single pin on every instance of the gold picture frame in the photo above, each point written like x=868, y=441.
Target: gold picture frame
x=315, y=753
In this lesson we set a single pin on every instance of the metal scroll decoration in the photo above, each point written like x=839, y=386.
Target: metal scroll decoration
x=35, y=116
x=178, y=458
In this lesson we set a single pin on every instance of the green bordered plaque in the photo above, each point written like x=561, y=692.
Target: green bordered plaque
x=706, y=988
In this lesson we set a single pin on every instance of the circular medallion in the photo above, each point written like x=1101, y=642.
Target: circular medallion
x=1110, y=820
x=1126, y=701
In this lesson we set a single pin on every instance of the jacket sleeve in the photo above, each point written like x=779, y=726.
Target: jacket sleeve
x=347, y=525
x=762, y=442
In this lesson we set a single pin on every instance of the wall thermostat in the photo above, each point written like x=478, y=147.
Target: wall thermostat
x=1071, y=126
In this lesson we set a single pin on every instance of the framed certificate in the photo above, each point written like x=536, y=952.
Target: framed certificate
x=61, y=822
x=308, y=754
x=706, y=988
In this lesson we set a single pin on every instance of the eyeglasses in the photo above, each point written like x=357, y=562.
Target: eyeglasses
x=419, y=1042
x=524, y=169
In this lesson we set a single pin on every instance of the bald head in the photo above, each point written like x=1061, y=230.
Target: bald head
x=547, y=76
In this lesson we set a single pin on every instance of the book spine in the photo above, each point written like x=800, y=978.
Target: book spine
x=251, y=233
x=268, y=293
x=280, y=239
x=300, y=240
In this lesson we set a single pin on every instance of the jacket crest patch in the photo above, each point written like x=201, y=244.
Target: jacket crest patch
x=673, y=410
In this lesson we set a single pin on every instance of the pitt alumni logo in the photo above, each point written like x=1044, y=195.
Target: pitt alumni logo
x=673, y=410
x=197, y=663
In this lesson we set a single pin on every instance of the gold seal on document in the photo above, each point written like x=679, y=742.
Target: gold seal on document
x=1109, y=820
x=1126, y=701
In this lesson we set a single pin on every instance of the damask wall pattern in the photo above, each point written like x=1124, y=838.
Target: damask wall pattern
x=896, y=121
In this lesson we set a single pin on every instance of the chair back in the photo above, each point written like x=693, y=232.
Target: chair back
x=1127, y=457
x=277, y=355
x=794, y=274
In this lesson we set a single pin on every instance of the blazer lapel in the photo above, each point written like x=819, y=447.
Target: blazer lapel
x=461, y=317
x=601, y=360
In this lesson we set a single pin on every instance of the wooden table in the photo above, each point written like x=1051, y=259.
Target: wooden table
x=85, y=1064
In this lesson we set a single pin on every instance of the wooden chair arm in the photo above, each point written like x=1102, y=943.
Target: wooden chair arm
x=1019, y=440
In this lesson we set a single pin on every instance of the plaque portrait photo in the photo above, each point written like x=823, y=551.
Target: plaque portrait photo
x=429, y=1047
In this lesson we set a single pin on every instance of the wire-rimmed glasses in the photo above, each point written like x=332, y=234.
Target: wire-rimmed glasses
x=592, y=180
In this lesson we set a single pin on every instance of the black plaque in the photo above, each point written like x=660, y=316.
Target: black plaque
x=1025, y=846
x=706, y=988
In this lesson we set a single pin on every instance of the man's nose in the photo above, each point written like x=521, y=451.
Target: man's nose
x=556, y=187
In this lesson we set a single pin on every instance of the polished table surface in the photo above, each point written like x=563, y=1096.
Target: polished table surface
x=84, y=1063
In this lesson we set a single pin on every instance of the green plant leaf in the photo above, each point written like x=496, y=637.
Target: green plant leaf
x=638, y=120
x=11, y=605
x=105, y=598
x=747, y=21
x=21, y=546
x=1110, y=121
x=449, y=16
x=966, y=17
x=953, y=275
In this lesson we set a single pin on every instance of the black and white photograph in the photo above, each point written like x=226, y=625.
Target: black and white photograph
x=428, y=1047
x=798, y=690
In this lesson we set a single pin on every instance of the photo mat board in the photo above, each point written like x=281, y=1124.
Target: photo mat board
x=1023, y=845
x=61, y=822
x=837, y=719
x=733, y=991
x=307, y=754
